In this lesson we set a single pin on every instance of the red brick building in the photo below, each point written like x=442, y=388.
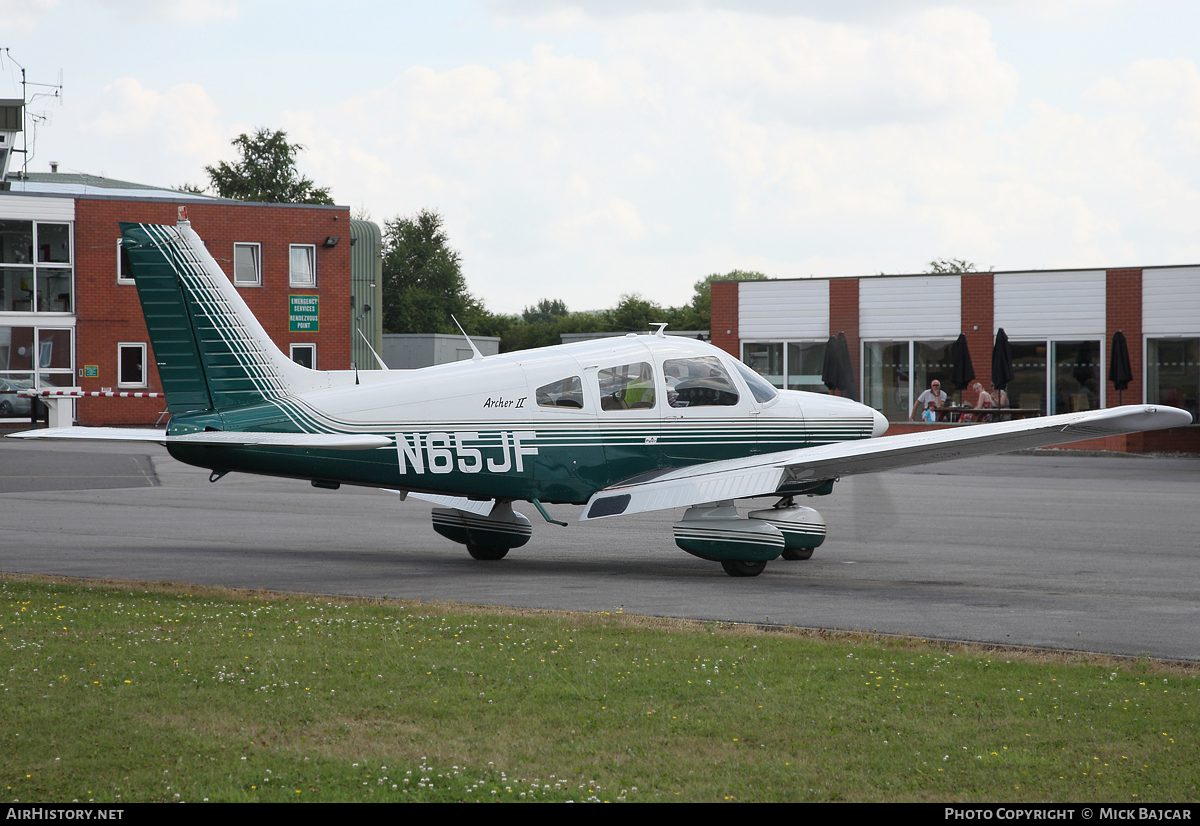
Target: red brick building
x=70, y=315
x=1060, y=324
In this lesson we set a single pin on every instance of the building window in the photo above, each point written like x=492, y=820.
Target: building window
x=305, y=355
x=124, y=270
x=887, y=385
x=247, y=271
x=302, y=265
x=1173, y=373
x=895, y=373
x=41, y=283
x=792, y=365
x=1056, y=376
x=131, y=365
x=805, y=361
x=766, y=359
x=38, y=351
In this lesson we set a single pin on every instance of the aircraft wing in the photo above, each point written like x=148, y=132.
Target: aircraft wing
x=768, y=474
x=326, y=441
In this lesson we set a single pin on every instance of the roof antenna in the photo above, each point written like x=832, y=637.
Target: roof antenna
x=372, y=349
x=661, y=325
x=478, y=355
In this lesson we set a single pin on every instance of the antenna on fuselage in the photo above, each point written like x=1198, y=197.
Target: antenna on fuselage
x=372, y=349
x=661, y=325
x=478, y=355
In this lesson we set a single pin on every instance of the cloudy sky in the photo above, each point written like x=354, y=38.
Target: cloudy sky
x=580, y=149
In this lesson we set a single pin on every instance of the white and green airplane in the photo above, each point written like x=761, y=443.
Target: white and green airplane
x=620, y=426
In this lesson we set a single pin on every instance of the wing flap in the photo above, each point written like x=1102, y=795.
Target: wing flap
x=766, y=474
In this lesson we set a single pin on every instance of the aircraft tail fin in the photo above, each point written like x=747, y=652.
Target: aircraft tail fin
x=211, y=352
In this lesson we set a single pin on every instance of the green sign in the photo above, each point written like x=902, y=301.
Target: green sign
x=91, y=371
x=302, y=313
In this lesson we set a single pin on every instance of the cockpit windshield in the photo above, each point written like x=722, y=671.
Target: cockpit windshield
x=762, y=389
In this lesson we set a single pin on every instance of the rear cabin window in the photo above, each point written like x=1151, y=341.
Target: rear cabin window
x=563, y=393
x=701, y=381
x=627, y=387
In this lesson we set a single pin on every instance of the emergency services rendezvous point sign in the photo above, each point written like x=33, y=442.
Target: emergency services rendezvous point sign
x=303, y=314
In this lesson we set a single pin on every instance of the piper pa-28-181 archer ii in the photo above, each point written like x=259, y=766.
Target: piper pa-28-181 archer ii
x=621, y=426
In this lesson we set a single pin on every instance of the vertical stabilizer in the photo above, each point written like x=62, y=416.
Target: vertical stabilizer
x=210, y=350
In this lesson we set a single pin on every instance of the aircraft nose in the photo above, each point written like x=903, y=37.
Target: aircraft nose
x=881, y=424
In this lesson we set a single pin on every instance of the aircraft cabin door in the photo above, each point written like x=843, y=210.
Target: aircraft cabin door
x=705, y=417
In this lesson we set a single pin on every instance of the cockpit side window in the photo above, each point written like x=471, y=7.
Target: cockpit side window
x=627, y=387
x=562, y=393
x=699, y=381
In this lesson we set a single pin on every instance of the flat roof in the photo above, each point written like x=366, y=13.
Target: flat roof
x=82, y=185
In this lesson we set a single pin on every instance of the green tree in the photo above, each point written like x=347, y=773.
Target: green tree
x=423, y=284
x=266, y=171
x=545, y=312
x=634, y=314
x=948, y=265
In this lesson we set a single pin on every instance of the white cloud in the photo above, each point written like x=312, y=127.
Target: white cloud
x=23, y=16
x=588, y=152
x=1161, y=89
x=187, y=12
x=152, y=130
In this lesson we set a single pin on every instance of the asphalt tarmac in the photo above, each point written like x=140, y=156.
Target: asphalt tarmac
x=1063, y=551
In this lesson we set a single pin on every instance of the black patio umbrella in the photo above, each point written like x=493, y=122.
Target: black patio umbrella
x=1002, y=367
x=1084, y=369
x=1120, y=371
x=829, y=367
x=963, y=372
x=845, y=367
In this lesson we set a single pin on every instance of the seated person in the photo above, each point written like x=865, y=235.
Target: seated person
x=929, y=401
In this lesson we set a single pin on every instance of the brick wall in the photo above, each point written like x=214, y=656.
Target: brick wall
x=1123, y=298
x=724, y=324
x=977, y=314
x=843, y=318
x=108, y=313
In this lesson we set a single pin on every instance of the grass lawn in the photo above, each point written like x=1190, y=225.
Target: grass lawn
x=123, y=692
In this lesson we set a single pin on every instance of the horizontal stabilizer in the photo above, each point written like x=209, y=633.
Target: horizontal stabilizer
x=324, y=441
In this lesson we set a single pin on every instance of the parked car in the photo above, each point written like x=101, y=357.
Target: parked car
x=12, y=405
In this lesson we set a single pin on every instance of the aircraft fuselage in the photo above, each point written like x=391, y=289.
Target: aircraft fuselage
x=555, y=424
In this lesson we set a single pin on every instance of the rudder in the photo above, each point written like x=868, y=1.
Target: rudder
x=211, y=352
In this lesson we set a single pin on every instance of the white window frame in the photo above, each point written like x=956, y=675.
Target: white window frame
x=120, y=278
x=257, y=249
x=300, y=345
x=145, y=381
x=312, y=261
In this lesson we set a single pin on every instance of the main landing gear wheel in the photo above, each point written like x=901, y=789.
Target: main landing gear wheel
x=797, y=553
x=737, y=567
x=477, y=552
